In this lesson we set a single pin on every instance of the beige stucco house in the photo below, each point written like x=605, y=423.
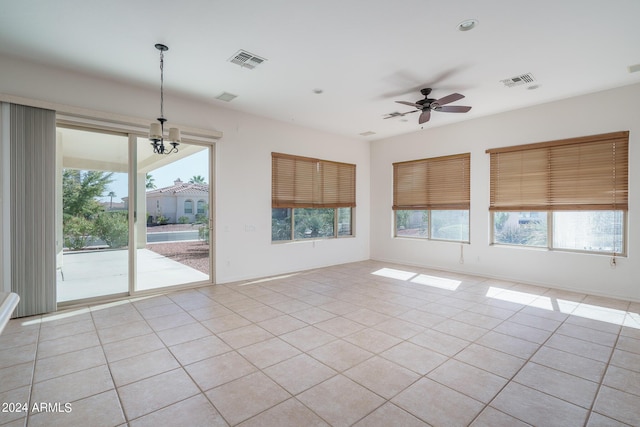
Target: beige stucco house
x=180, y=200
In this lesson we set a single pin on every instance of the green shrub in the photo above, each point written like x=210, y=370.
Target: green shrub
x=113, y=228
x=203, y=233
x=201, y=218
x=183, y=220
x=76, y=231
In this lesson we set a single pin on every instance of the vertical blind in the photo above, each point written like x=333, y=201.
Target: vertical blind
x=32, y=212
x=304, y=182
x=435, y=183
x=586, y=173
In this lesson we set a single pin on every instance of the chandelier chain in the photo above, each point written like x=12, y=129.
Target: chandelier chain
x=162, y=84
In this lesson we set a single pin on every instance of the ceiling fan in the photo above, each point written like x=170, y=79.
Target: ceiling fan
x=427, y=104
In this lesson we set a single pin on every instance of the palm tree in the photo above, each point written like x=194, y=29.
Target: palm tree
x=111, y=195
x=150, y=182
x=197, y=179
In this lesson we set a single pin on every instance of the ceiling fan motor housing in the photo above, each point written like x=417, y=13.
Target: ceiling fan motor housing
x=428, y=103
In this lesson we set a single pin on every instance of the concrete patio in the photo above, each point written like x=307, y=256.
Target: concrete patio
x=97, y=273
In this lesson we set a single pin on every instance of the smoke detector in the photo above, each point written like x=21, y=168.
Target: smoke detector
x=520, y=80
x=246, y=59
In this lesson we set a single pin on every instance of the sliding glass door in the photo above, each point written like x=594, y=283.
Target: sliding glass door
x=172, y=237
x=128, y=220
x=92, y=239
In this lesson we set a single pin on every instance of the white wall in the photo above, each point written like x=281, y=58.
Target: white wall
x=243, y=166
x=608, y=111
x=244, y=232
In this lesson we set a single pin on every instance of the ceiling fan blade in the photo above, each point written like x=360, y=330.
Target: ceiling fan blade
x=455, y=109
x=424, y=117
x=412, y=104
x=450, y=98
x=398, y=114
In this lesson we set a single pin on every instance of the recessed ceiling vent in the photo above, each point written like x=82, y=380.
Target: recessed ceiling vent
x=246, y=59
x=226, y=96
x=519, y=80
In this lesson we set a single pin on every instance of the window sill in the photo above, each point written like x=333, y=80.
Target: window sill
x=570, y=251
x=311, y=240
x=426, y=239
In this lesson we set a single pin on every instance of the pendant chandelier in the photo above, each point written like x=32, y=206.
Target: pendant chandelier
x=156, y=130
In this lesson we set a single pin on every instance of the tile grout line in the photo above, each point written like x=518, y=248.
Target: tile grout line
x=540, y=391
x=486, y=405
x=235, y=350
x=33, y=374
x=373, y=355
x=338, y=373
x=604, y=374
x=406, y=340
x=106, y=360
x=180, y=365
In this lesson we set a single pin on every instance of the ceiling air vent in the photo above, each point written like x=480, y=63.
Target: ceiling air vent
x=226, y=96
x=246, y=59
x=634, y=68
x=519, y=80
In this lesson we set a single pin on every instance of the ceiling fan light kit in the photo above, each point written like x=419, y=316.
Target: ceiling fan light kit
x=156, y=130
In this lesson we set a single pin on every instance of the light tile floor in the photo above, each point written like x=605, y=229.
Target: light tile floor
x=364, y=344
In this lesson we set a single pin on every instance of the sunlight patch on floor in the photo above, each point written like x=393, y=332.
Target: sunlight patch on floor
x=419, y=279
x=57, y=316
x=587, y=311
x=269, y=279
x=436, y=282
x=392, y=273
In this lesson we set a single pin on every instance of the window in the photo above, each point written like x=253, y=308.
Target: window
x=520, y=228
x=188, y=206
x=569, y=195
x=311, y=198
x=431, y=198
x=201, y=207
x=344, y=222
x=593, y=231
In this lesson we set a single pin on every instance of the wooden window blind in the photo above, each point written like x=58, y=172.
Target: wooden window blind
x=303, y=182
x=436, y=183
x=586, y=173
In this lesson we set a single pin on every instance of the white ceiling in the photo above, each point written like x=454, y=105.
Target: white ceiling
x=363, y=54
